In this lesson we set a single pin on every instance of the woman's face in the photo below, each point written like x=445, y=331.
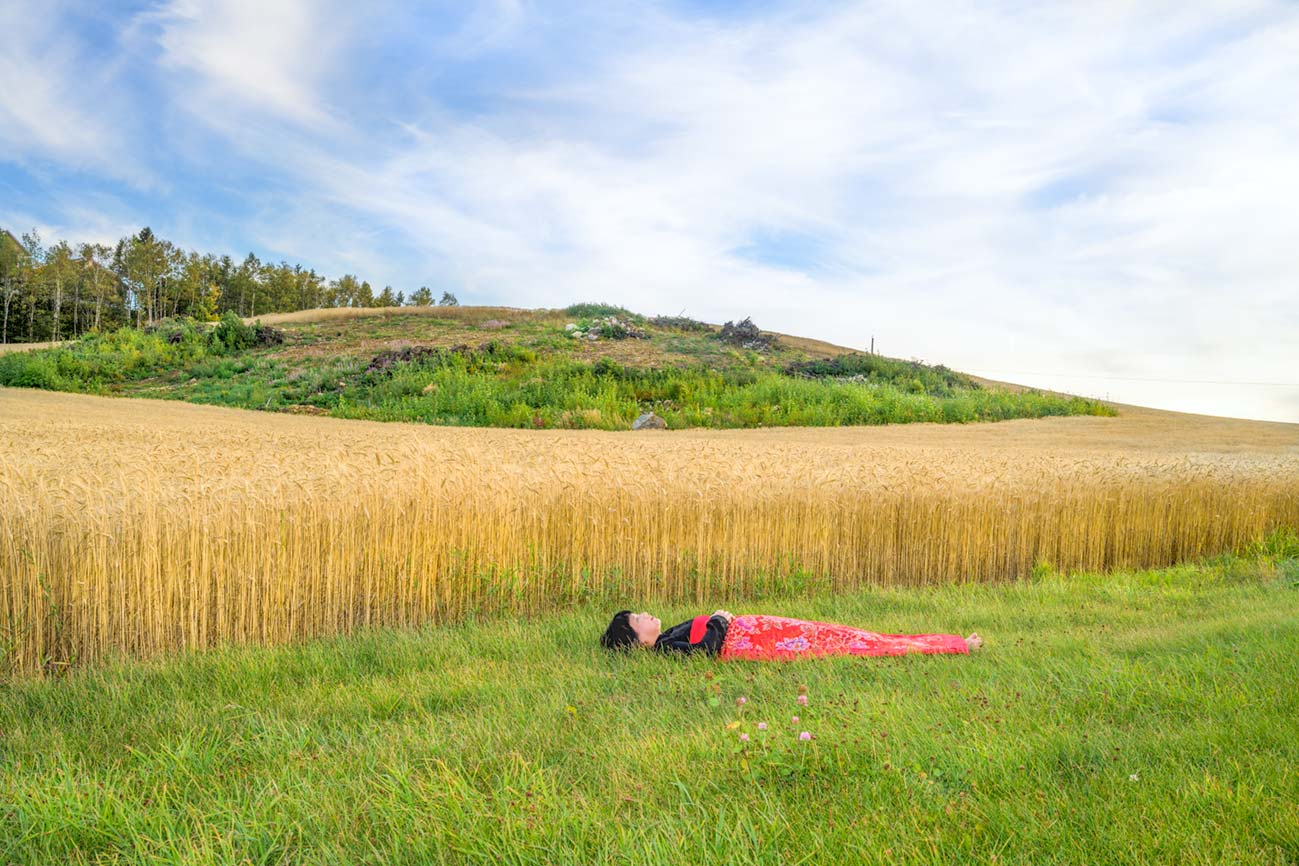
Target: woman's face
x=646, y=626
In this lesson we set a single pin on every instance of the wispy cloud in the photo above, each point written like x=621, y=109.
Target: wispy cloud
x=245, y=57
x=58, y=97
x=1102, y=190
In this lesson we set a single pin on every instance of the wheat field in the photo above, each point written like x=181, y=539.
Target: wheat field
x=137, y=527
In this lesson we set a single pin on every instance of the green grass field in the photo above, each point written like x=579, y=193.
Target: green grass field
x=1129, y=718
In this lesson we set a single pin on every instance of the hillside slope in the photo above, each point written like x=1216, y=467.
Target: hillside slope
x=589, y=366
x=1164, y=419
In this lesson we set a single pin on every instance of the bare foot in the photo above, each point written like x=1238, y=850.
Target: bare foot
x=973, y=642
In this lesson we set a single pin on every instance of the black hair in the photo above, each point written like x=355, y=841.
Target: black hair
x=619, y=634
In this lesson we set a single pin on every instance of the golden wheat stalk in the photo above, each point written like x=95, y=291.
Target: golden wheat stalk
x=139, y=532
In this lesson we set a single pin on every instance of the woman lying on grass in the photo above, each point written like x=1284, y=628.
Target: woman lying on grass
x=771, y=637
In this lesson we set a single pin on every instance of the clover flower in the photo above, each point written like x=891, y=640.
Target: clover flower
x=806, y=735
x=762, y=726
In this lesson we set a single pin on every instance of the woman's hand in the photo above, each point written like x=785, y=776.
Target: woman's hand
x=724, y=613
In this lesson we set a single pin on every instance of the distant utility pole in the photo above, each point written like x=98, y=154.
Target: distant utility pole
x=872, y=344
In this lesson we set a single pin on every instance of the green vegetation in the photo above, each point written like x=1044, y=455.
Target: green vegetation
x=128, y=354
x=525, y=374
x=1129, y=718
x=602, y=311
x=682, y=323
x=605, y=394
x=912, y=376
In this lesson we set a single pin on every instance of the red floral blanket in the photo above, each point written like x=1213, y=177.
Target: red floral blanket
x=761, y=638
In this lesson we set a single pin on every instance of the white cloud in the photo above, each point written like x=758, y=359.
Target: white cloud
x=58, y=104
x=78, y=223
x=1104, y=189
x=245, y=55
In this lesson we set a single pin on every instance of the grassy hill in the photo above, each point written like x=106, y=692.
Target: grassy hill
x=589, y=366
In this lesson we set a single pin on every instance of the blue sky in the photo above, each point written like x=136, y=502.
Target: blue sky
x=1095, y=197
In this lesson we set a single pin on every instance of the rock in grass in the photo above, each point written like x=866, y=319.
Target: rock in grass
x=649, y=421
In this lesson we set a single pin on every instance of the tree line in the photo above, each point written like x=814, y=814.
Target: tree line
x=60, y=291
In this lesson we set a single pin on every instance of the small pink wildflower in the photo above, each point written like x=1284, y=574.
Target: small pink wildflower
x=762, y=726
x=741, y=701
x=794, y=720
x=744, y=738
x=802, y=700
x=805, y=736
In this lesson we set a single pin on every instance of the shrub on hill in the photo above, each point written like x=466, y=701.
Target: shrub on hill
x=131, y=353
x=599, y=311
x=232, y=335
x=912, y=376
x=99, y=359
x=173, y=330
x=746, y=335
x=606, y=328
x=682, y=323
x=491, y=356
